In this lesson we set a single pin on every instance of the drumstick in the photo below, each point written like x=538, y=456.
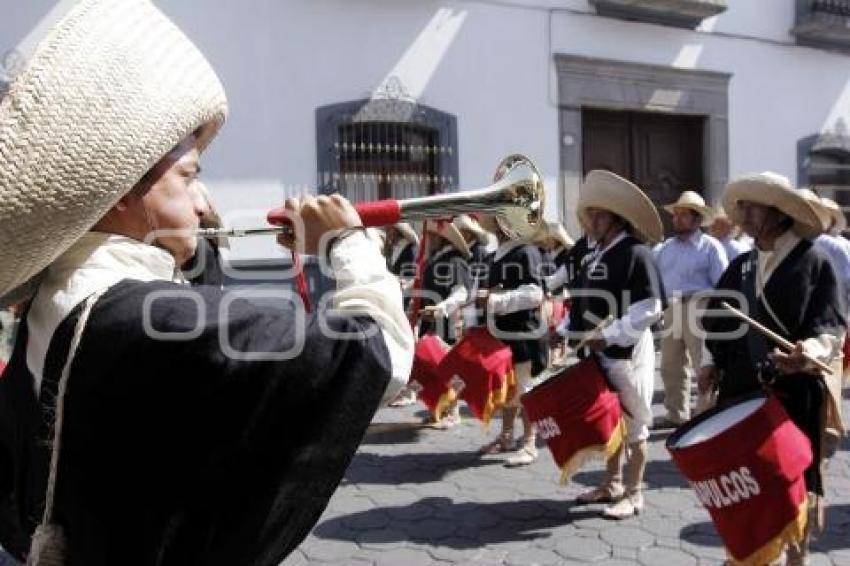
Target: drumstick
x=773, y=335
x=592, y=334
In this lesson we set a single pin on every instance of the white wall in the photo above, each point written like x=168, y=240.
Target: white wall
x=488, y=63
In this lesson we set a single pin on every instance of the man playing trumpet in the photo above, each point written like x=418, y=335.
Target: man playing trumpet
x=143, y=422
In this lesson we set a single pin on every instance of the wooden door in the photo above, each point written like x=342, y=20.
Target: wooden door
x=661, y=153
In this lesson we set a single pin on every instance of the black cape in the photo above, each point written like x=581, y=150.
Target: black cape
x=439, y=276
x=804, y=295
x=624, y=275
x=204, y=268
x=405, y=263
x=525, y=332
x=174, y=453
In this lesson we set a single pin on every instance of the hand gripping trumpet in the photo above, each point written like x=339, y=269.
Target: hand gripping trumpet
x=516, y=199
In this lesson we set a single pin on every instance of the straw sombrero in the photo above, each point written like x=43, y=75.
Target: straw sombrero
x=407, y=232
x=692, y=201
x=772, y=189
x=551, y=230
x=110, y=90
x=609, y=191
x=838, y=218
x=447, y=231
x=466, y=222
x=823, y=214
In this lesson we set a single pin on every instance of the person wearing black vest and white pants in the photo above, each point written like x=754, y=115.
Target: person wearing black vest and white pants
x=619, y=279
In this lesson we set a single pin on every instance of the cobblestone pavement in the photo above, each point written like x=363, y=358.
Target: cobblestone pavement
x=416, y=496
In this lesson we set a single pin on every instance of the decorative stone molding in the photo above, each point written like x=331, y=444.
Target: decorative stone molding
x=678, y=13
x=824, y=24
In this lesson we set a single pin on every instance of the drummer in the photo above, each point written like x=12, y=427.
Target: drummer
x=783, y=264
x=402, y=244
x=620, y=218
x=555, y=245
x=445, y=288
x=481, y=245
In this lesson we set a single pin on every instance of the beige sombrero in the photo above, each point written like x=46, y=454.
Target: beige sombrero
x=551, y=230
x=821, y=211
x=466, y=222
x=691, y=200
x=838, y=218
x=609, y=191
x=447, y=231
x=407, y=232
x=111, y=89
x=772, y=189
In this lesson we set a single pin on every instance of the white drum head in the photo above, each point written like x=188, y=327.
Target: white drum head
x=720, y=422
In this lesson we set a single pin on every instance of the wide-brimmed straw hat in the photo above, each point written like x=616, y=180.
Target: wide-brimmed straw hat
x=447, y=231
x=466, y=222
x=838, y=218
x=407, y=232
x=609, y=191
x=823, y=214
x=691, y=200
x=551, y=230
x=772, y=189
x=111, y=89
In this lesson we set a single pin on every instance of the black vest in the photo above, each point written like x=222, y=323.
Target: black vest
x=624, y=275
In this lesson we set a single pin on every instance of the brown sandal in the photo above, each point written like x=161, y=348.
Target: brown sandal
x=504, y=443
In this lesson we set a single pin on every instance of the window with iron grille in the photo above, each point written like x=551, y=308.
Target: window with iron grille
x=375, y=149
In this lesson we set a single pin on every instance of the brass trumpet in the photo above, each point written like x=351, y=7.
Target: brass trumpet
x=516, y=199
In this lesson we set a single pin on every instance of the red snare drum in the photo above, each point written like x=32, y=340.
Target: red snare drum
x=746, y=462
x=428, y=383
x=577, y=414
x=479, y=368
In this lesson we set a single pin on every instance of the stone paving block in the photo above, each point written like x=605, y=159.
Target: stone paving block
x=405, y=557
x=414, y=512
x=627, y=537
x=532, y=556
x=705, y=546
x=328, y=550
x=666, y=556
x=454, y=550
x=624, y=553
x=372, y=519
x=840, y=557
x=583, y=549
x=382, y=539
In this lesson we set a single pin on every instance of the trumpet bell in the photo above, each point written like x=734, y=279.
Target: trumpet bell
x=524, y=189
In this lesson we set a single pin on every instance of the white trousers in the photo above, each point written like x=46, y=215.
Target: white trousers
x=634, y=380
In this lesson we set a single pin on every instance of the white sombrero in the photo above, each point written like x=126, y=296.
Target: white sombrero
x=838, y=218
x=772, y=189
x=447, y=231
x=407, y=232
x=609, y=191
x=112, y=88
x=821, y=211
x=691, y=200
x=551, y=230
x=466, y=222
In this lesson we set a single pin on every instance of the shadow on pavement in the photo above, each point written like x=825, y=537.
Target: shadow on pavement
x=834, y=536
x=368, y=468
x=440, y=521
x=658, y=474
